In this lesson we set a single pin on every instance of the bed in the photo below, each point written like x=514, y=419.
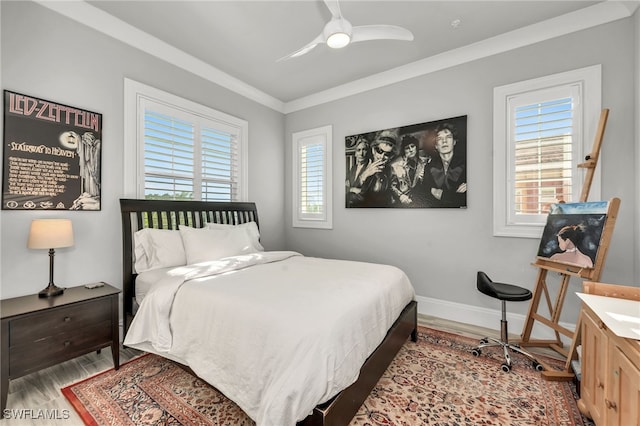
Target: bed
x=224, y=295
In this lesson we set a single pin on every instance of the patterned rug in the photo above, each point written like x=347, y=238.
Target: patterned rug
x=436, y=381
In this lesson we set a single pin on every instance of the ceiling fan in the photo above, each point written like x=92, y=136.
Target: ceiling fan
x=339, y=32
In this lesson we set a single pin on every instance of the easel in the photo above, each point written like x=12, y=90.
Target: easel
x=566, y=272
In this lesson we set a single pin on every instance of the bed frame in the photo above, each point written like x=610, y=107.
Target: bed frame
x=161, y=214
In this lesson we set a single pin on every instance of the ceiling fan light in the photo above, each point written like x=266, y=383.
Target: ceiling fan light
x=338, y=40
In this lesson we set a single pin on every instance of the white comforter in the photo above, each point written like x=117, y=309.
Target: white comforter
x=276, y=332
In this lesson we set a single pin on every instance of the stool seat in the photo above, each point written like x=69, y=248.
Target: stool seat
x=502, y=291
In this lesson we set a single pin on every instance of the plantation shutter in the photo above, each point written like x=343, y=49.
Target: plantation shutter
x=544, y=146
x=543, y=155
x=189, y=157
x=312, y=166
x=219, y=165
x=168, y=156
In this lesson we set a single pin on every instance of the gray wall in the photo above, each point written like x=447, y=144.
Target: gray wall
x=637, y=146
x=441, y=249
x=49, y=56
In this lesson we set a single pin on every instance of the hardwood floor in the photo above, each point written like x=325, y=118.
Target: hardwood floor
x=38, y=394
x=478, y=332
x=34, y=396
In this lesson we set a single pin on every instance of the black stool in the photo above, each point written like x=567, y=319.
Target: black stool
x=503, y=292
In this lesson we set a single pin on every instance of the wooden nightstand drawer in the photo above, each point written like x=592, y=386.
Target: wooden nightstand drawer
x=47, y=324
x=54, y=349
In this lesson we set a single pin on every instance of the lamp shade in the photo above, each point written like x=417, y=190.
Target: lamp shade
x=50, y=233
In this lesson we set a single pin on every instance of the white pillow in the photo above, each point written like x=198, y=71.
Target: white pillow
x=158, y=248
x=250, y=227
x=203, y=244
x=139, y=254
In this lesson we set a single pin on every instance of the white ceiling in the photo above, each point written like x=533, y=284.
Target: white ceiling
x=244, y=39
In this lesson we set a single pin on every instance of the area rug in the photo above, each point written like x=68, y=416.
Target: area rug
x=436, y=381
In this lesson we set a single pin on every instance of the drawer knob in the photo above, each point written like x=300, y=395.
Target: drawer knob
x=610, y=404
x=67, y=319
x=67, y=343
x=600, y=384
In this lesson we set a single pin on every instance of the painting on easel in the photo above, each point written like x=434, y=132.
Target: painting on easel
x=573, y=233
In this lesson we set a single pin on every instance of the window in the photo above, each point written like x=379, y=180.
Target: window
x=312, y=178
x=182, y=150
x=542, y=130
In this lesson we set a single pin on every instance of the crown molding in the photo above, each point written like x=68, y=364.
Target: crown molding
x=588, y=17
x=98, y=20
x=598, y=14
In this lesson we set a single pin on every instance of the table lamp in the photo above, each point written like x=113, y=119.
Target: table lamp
x=50, y=234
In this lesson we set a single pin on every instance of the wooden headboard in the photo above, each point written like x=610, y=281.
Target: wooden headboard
x=161, y=214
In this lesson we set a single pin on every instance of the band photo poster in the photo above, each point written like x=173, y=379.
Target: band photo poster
x=51, y=155
x=573, y=233
x=417, y=166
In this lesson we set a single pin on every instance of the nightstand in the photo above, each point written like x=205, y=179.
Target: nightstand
x=38, y=332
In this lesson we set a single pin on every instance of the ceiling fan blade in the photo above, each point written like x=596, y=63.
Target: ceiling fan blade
x=334, y=8
x=380, y=32
x=305, y=49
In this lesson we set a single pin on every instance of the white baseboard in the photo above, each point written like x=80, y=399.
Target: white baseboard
x=487, y=318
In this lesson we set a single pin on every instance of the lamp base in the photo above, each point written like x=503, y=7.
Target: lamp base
x=51, y=290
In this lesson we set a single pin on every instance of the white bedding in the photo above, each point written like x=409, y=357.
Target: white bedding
x=146, y=280
x=276, y=332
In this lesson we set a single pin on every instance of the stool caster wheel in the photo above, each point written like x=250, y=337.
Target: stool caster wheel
x=505, y=367
x=476, y=352
x=484, y=341
x=537, y=366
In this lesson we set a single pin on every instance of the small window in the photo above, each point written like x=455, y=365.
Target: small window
x=183, y=150
x=541, y=134
x=312, y=207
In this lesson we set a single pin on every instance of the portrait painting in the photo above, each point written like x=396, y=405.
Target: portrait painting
x=417, y=166
x=573, y=233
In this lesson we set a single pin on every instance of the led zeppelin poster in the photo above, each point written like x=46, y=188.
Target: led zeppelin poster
x=51, y=155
